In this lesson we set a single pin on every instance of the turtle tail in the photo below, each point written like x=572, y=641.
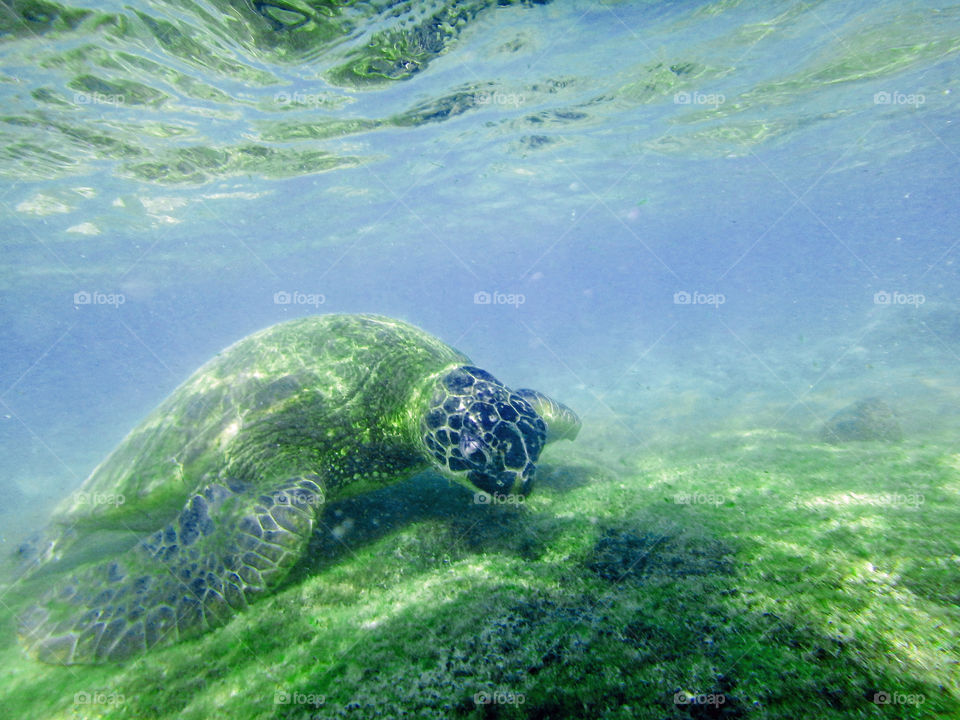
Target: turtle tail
x=229, y=544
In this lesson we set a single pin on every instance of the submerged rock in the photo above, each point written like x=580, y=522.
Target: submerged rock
x=869, y=419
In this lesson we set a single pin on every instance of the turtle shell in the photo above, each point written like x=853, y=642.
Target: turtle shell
x=308, y=394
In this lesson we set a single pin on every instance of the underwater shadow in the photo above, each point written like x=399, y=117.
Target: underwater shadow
x=473, y=526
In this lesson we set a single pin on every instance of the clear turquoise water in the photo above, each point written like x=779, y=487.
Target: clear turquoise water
x=186, y=167
x=594, y=159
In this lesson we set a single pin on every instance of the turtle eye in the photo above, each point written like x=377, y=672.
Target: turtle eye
x=472, y=448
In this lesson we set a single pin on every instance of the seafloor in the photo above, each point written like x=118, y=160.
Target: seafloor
x=755, y=574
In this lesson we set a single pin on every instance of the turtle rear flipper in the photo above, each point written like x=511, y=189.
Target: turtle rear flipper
x=229, y=544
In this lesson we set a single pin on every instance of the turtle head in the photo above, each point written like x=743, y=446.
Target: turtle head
x=481, y=433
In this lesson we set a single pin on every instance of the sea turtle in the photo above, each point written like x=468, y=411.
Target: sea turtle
x=211, y=500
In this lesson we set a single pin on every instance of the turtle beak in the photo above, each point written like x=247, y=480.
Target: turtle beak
x=506, y=483
x=523, y=484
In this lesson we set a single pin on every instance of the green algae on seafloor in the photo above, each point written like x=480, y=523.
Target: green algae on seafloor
x=795, y=579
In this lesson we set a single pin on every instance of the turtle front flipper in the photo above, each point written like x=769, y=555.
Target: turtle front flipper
x=230, y=543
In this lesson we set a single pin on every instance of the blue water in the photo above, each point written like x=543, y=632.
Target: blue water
x=622, y=155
